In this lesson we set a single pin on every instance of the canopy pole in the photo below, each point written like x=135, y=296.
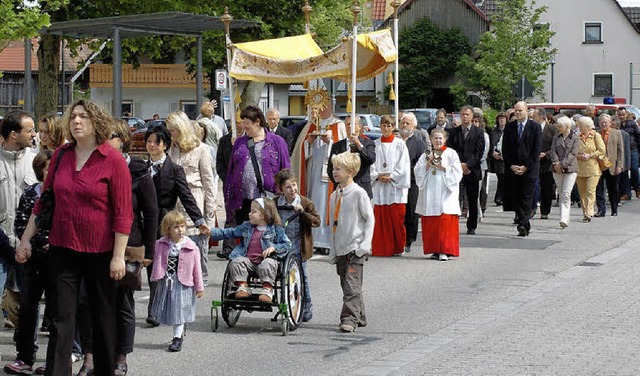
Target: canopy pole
x=199, y=72
x=307, y=24
x=117, y=74
x=396, y=103
x=355, y=9
x=226, y=18
x=28, y=77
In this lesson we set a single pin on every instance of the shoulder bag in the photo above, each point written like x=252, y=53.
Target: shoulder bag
x=48, y=200
x=252, y=151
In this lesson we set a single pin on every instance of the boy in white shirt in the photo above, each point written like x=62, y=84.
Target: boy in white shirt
x=351, y=216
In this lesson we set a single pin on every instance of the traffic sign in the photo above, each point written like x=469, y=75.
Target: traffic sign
x=221, y=79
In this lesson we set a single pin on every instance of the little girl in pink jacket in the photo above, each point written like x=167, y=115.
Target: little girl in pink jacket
x=176, y=267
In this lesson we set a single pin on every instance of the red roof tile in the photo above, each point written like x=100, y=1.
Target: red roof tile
x=378, y=10
x=12, y=57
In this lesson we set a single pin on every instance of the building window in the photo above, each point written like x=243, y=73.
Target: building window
x=127, y=107
x=602, y=84
x=189, y=108
x=593, y=32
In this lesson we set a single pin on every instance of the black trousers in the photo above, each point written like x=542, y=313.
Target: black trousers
x=410, y=217
x=69, y=269
x=523, y=189
x=498, y=198
x=547, y=190
x=472, y=186
x=612, y=182
x=35, y=279
x=125, y=321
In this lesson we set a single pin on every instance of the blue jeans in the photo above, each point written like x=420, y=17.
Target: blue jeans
x=307, y=291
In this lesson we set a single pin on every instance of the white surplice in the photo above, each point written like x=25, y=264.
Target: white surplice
x=438, y=193
x=391, y=158
x=317, y=183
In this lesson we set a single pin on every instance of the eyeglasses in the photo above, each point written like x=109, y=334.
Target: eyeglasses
x=114, y=135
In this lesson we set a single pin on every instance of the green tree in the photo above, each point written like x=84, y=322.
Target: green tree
x=517, y=46
x=427, y=56
x=21, y=19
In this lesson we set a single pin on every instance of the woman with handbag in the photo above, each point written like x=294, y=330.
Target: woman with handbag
x=140, y=246
x=590, y=150
x=194, y=157
x=88, y=235
x=257, y=157
x=564, y=165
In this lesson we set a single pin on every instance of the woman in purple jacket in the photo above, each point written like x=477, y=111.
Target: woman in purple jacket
x=256, y=148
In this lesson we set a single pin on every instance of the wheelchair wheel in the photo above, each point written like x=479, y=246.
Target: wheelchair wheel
x=292, y=292
x=214, y=319
x=229, y=314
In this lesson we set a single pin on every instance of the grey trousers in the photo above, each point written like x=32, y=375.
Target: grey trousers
x=349, y=268
x=240, y=267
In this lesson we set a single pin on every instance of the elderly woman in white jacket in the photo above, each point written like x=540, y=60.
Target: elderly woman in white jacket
x=438, y=176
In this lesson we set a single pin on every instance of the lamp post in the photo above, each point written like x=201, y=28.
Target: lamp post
x=553, y=63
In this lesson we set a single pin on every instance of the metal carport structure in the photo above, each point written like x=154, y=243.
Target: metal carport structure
x=165, y=23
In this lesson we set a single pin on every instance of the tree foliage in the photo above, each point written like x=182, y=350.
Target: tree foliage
x=427, y=56
x=22, y=19
x=518, y=45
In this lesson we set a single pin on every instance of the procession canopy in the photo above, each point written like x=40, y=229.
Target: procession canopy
x=299, y=59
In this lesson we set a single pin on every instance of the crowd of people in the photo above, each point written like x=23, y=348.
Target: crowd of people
x=325, y=188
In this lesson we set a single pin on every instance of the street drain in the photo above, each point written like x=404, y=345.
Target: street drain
x=587, y=263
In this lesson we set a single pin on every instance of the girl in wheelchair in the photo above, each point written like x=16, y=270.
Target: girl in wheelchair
x=263, y=239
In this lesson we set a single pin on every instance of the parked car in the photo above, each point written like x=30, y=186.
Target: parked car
x=426, y=116
x=571, y=109
x=287, y=121
x=137, y=134
x=370, y=124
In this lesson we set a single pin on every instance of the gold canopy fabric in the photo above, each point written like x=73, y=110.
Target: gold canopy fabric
x=299, y=59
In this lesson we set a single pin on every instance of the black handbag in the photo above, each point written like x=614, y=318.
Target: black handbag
x=48, y=201
x=133, y=256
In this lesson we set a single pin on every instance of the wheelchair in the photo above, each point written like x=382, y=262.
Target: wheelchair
x=288, y=297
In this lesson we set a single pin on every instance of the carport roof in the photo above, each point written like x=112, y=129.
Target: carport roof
x=166, y=23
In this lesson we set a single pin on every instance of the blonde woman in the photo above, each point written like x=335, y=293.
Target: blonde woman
x=564, y=165
x=194, y=157
x=590, y=150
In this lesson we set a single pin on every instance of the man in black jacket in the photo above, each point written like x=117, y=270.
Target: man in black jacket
x=468, y=141
x=521, y=146
x=356, y=144
x=273, y=119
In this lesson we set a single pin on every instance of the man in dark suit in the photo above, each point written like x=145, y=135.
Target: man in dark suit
x=521, y=146
x=273, y=119
x=356, y=144
x=468, y=142
x=547, y=184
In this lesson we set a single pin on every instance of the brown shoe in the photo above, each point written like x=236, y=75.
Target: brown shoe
x=242, y=292
x=624, y=197
x=266, y=294
x=637, y=193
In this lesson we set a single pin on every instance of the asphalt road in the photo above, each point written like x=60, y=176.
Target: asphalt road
x=559, y=302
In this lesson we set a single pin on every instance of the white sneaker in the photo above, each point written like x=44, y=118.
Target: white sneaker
x=443, y=257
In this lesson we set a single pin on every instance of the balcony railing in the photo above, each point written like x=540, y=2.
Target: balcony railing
x=145, y=75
